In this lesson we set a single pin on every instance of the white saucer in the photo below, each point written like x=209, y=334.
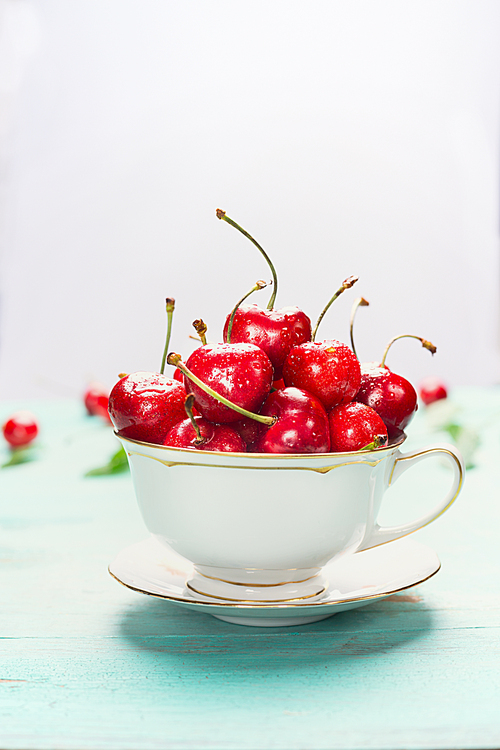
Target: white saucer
x=354, y=581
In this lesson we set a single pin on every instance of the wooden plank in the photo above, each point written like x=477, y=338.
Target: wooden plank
x=86, y=663
x=307, y=689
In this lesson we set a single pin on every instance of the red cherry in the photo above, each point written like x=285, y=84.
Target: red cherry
x=297, y=421
x=20, y=429
x=241, y=373
x=432, y=389
x=327, y=369
x=145, y=405
x=355, y=426
x=180, y=379
x=248, y=428
x=274, y=331
x=216, y=437
x=301, y=424
x=96, y=399
x=390, y=395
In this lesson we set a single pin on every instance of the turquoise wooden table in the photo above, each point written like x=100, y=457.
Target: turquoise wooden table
x=88, y=663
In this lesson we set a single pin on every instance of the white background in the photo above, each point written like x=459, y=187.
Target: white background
x=349, y=137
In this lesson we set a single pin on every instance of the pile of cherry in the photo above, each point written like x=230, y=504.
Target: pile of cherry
x=270, y=387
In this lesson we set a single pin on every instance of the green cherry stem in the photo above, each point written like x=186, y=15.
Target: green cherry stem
x=258, y=285
x=360, y=302
x=347, y=284
x=426, y=344
x=170, y=303
x=200, y=327
x=222, y=215
x=176, y=360
x=189, y=405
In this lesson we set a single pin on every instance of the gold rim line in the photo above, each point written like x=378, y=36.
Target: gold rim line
x=434, y=518
x=256, y=601
x=319, y=470
x=292, y=605
x=257, y=585
x=423, y=453
x=266, y=456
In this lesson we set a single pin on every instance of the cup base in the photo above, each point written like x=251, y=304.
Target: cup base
x=250, y=586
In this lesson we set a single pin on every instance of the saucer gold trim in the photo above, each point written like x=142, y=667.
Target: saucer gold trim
x=291, y=605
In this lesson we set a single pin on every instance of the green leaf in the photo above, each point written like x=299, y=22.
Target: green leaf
x=466, y=440
x=453, y=429
x=19, y=456
x=117, y=464
x=378, y=442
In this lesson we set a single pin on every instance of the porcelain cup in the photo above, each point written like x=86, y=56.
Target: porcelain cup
x=258, y=527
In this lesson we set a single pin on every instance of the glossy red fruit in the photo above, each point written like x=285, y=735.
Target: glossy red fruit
x=327, y=369
x=301, y=424
x=96, y=399
x=274, y=331
x=217, y=437
x=390, y=395
x=145, y=405
x=355, y=426
x=432, y=389
x=20, y=429
x=180, y=378
x=248, y=428
x=241, y=373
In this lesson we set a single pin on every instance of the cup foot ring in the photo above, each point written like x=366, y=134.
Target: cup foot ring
x=278, y=592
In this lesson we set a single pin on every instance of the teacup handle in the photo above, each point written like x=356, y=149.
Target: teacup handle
x=399, y=463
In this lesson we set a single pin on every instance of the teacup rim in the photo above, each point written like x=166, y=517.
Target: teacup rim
x=269, y=456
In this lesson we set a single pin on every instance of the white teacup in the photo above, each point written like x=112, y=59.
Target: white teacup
x=259, y=527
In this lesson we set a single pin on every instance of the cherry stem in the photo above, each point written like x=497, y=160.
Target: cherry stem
x=258, y=285
x=360, y=302
x=347, y=284
x=170, y=303
x=201, y=328
x=189, y=405
x=222, y=215
x=176, y=360
x=426, y=344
